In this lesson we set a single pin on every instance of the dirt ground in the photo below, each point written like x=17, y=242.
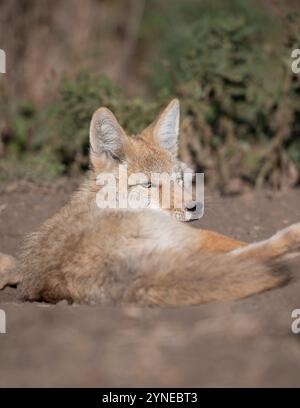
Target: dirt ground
x=244, y=343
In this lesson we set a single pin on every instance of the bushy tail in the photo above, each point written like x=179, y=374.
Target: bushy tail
x=8, y=275
x=172, y=278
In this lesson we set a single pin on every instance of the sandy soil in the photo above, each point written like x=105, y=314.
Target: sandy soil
x=244, y=343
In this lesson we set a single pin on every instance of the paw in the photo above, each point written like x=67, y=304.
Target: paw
x=8, y=276
x=6, y=262
x=9, y=279
x=288, y=238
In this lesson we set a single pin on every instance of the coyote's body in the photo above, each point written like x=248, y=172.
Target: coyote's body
x=86, y=254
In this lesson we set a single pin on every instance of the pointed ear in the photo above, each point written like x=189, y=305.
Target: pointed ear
x=166, y=127
x=106, y=136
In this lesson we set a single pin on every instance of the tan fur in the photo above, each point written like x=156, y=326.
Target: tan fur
x=89, y=255
x=7, y=272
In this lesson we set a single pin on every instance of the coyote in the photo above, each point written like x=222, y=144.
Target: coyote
x=147, y=256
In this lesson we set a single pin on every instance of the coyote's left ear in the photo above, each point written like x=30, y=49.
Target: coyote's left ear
x=166, y=127
x=106, y=136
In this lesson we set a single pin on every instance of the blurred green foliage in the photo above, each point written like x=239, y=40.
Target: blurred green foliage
x=45, y=143
x=232, y=72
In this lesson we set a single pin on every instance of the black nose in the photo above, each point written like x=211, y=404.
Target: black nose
x=191, y=206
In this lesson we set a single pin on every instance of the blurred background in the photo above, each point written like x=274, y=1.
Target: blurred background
x=228, y=61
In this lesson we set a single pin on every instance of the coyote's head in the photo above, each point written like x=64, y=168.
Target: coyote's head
x=154, y=176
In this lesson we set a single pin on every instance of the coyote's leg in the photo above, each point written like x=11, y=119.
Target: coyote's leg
x=217, y=243
x=284, y=242
x=8, y=273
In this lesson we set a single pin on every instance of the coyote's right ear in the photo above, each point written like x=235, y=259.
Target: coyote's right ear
x=166, y=127
x=106, y=135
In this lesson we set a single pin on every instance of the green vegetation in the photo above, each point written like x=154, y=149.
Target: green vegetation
x=43, y=144
x=231, y=71
x=240, y=99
